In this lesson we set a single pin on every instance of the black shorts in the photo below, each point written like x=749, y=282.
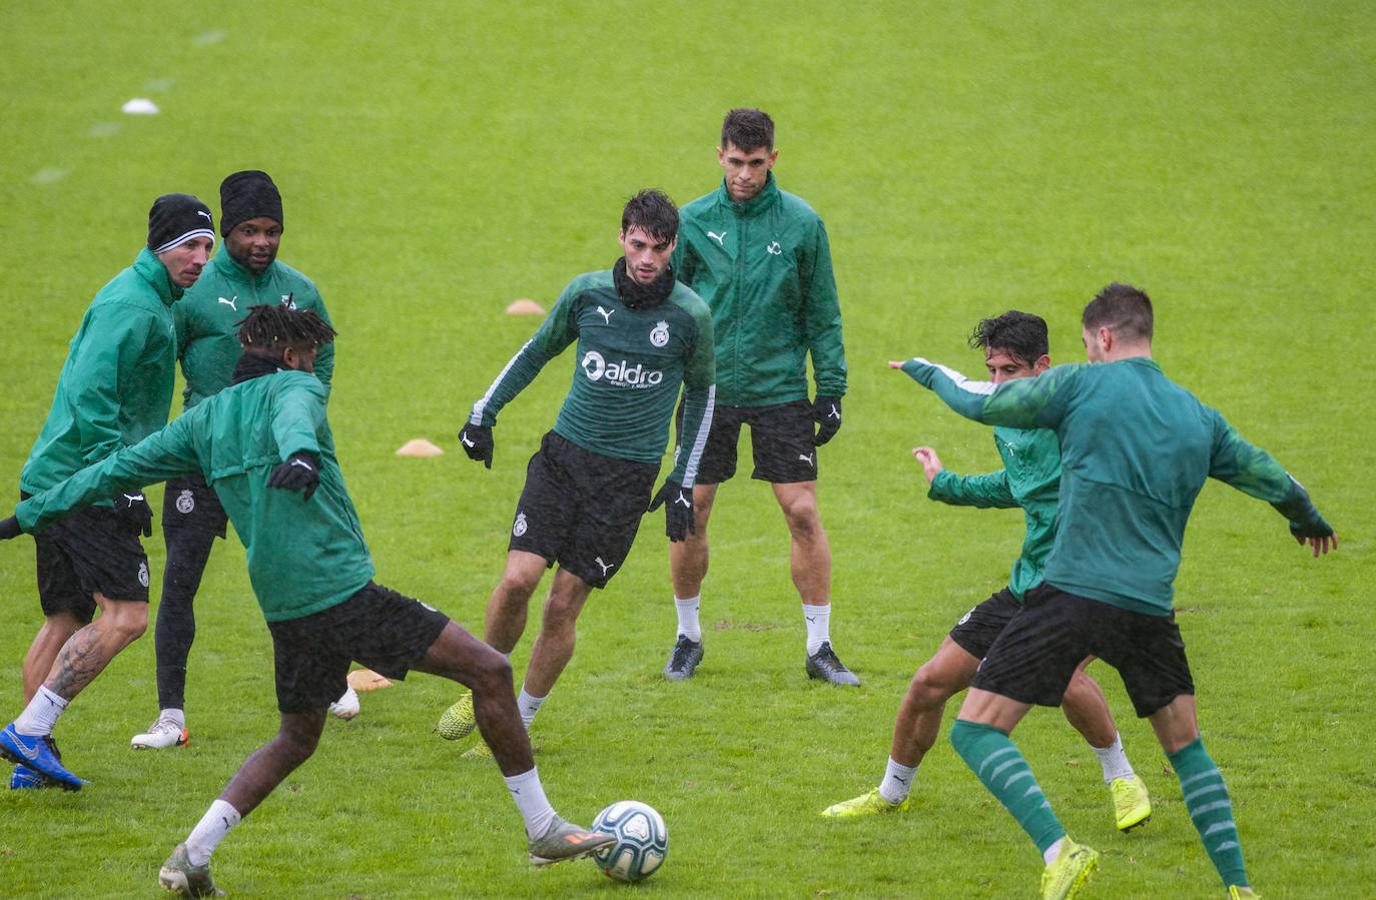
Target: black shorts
x=581, y=509
x=383, y=630
x=191, y=504
x=91, y=551
x=780, y=440
x=1036, y=656
x=977, y=630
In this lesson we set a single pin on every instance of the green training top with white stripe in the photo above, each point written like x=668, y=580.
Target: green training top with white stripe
x=626, y=378
x=1029, y=479
x=1135, y=451
x=304, y=556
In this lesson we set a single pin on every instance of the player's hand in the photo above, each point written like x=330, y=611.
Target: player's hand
x=135, y=511
x=678, y=510
x=477, y=443
x=931, y=463
x=1320, y=543
x=300, y=472
x=826, y=412
x=9, y=528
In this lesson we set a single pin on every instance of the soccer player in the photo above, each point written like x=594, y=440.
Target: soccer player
x=760, y=258
x=1015, y=346
x=114, y=390
x=245, y=273
x=1135, y=452
x=264, y=445
x=641, y=335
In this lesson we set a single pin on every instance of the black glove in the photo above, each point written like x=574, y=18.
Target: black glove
x=134, y=510
x=826, y=412
x=678, y=513
x=477, y=443
x=9, y=528
x=300, y=471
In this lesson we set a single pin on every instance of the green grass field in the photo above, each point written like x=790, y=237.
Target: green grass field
x=439, y=160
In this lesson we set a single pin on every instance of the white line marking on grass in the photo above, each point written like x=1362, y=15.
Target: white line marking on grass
x=210, y=37
x=159, y=85
x=105, y=129
x=48, y=176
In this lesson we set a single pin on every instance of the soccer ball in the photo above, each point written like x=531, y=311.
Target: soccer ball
x=642, y=840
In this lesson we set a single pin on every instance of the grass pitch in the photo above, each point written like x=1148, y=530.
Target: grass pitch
x=439, y=160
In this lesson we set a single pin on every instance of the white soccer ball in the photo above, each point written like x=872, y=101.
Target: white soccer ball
x=642, y=840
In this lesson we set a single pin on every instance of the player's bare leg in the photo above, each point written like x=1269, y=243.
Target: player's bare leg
x=1087, y=711
x=503, y=624
x=946, y=674
x=459, y=656
x=558, y=633
x=89, y=650
x=38, y=662
x=810, y=564
x=296, y=739
x=505, y=619
x=809, y=551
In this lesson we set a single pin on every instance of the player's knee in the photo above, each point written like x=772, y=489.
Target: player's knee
x=930, y=687
x=804, y=522
x=492, y=670
x=128, y=620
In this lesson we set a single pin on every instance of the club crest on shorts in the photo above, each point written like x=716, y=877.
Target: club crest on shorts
x=520, y=527
x=965, y=618
x=186, y=502
x=143, y=574
x=659, y=335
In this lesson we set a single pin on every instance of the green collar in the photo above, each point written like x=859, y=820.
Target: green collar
x=756, y=204
x=151, y=270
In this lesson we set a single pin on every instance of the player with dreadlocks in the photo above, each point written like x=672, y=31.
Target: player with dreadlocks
x=312, y=574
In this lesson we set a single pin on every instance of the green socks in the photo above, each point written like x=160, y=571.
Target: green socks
x=1206, y=797
x=991, y=755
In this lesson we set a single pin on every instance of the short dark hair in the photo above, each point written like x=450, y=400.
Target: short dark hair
x=653, y=211
x=1022, y=335
x=1123, y=310
x=270, y=329
x=748, y=129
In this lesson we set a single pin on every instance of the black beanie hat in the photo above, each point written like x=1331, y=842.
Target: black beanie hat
x=176, y=219
x=248, y=195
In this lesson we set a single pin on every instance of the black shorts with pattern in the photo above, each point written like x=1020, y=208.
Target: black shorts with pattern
x=93, y=550
x=581, y=509
x=781, y=441
x=1035, y=657
x=385, y=631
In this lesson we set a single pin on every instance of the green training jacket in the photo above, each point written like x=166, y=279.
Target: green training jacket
x=116, y=385
x=303, y=555
x=764, y=268
x=627, y=373
x=1136, y=449
x=1029, y=479
x=207, y=320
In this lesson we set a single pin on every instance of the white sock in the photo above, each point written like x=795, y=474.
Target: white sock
x=175, y=715
x=818, y=620
x=529, y=706
x=1052, y=853
x=1113, y=760
x=898, y=780
x=39, y=717
x=530, y=799
x=214, y=825
x=688, y=624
